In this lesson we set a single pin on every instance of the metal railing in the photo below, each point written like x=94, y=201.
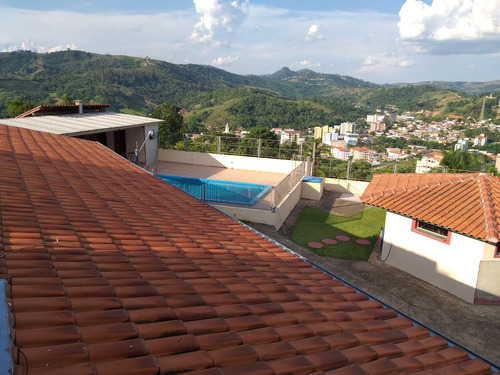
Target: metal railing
x=244, y=146
x=280, y=191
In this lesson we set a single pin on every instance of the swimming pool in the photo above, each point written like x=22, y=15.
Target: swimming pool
x=219, y=191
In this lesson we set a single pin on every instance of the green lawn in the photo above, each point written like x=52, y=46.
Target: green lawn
x=316, y=225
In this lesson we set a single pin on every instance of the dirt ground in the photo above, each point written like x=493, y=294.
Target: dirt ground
x=475, y=327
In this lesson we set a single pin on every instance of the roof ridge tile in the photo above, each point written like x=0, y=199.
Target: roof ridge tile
x=489, y=213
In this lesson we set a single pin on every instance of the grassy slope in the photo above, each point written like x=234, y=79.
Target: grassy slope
x=316, y=225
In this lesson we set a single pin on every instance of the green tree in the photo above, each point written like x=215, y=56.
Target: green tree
x=361, y=171
x=194, y=125
x=173, y=126
x=16, y=107
x=66, y=100
x=269, y=143
x=461, y=161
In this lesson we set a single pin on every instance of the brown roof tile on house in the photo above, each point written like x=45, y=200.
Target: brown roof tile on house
x=109, y=270
x=465, y=203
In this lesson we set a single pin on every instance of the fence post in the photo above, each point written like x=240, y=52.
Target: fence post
x=186, y=140
x=218, y=144
x=395, y=169
x=258, y=147
x=348, y=169
x=313, y=163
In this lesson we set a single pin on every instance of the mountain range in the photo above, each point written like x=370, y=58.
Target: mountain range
x=136, y=85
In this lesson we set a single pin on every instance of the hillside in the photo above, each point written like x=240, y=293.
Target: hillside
x=471, y=88
x=211, y=96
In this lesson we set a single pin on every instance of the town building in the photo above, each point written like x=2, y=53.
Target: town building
x=480, y=140
x=340, y=153
x=288, y=135
x=319, y=130
x=444, y=229
x=374, y=118
x=394, y=154
x=461, y=145
x=351, y=138
x=328, y=137
x=363, y=153
x=378, y=127
x=429, y=162
x=347, y=127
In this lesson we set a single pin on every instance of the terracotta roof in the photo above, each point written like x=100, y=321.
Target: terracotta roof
x=463, y=203
x=112, y=271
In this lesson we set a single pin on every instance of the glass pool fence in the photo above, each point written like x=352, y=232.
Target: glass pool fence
x=219, y=191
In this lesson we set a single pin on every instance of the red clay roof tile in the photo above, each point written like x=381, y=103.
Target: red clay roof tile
x=102, y=281
x=219, y=340
x=109, y=332
x=185, y=362
x=259, y=336
x=426, y=197
x=295, y=365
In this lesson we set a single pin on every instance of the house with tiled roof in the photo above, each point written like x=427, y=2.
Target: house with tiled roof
x=480, y=140
x=133, y=137
x=341, y=153
x=363, y=153
x=444, y=229
x=106, y=269
x=429, y=162
x=394, y=154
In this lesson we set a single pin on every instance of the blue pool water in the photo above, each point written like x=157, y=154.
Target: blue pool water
x=219, y=191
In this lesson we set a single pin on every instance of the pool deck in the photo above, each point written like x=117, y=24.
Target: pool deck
x=217, y=173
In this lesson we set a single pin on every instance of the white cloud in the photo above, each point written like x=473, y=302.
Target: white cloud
x=406, y=63
x=370, y=61
x=451, y=26
x=225, y=60
x=384, y=62
x=219, y=19
x=314, y=33
x=305, y=64
x=30, y=45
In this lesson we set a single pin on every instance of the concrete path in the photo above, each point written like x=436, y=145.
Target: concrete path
x=475, y=327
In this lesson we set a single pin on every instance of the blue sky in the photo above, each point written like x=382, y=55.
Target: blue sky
x=378, y=41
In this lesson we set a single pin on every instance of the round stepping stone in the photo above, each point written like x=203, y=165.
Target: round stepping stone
x=362, y=241
x=329, y=241
x=315, y=245
x=342, y=238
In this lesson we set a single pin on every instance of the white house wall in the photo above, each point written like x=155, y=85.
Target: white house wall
x=134, y=137
x=151, y=146
x=453, y=267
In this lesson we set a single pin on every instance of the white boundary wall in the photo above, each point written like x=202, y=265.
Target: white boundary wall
x=337, y=185
x=453, y=267
x=228, y=161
